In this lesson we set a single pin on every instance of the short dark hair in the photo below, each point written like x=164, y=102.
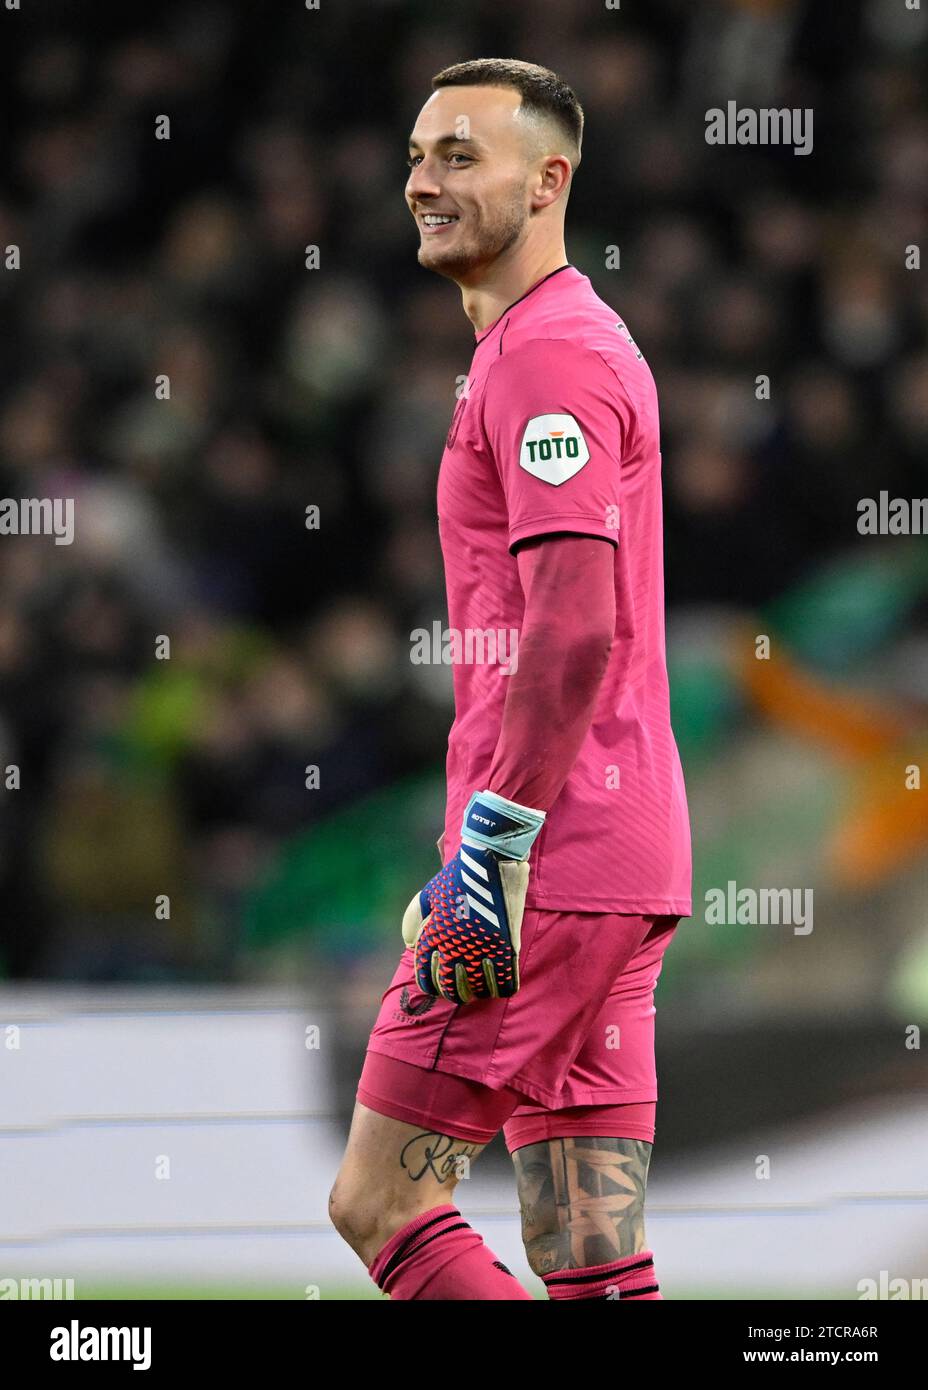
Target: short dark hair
x=543, y=92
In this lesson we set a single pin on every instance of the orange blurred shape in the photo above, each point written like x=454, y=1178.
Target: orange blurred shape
x=885, y=828
x=850, y=725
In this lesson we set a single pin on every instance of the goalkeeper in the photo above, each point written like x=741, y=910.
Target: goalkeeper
x=524, y=1000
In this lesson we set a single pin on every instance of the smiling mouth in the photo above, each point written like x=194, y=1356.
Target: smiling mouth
x=434, y=222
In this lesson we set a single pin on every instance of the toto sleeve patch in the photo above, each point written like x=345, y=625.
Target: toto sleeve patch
x=553, y=448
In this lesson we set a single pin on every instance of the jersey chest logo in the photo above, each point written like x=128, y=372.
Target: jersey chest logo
x=553, y=448
x=456, y=417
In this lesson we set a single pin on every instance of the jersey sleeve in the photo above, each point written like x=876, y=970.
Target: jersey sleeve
x=558, y=423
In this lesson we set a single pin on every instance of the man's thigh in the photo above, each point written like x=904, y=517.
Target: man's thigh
x=611, y=1086
x=435, y=1103
x=569, y=963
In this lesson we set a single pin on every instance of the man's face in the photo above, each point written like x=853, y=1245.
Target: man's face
x=469, y=161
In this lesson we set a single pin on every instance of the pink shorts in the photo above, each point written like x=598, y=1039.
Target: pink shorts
x=571, y=1053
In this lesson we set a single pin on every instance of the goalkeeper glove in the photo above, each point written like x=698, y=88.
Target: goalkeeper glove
x=465, y=925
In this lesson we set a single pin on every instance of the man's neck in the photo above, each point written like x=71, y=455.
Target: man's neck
x=505, y=283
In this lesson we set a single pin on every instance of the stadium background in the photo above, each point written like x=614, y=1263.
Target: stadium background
x=128, y=1036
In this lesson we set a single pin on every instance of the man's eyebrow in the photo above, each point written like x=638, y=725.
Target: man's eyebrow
x=444, y=140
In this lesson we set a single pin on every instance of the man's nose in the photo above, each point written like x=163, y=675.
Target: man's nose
x=422, y=182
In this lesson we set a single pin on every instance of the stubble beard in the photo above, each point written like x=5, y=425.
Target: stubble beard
x=485, y=245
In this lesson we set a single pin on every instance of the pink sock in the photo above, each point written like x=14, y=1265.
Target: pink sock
x=631, y=1277
x=437, y=1255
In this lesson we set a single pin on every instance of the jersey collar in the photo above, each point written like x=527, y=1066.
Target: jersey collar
x=537, y=286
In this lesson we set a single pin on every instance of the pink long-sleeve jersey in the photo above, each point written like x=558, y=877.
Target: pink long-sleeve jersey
x=557, y=431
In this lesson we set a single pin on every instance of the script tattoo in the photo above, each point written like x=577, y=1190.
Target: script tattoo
x=437, y=1154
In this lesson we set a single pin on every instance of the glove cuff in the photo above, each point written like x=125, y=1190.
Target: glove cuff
x=493, y=822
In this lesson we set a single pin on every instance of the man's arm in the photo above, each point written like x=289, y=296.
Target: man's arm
x=567, y=632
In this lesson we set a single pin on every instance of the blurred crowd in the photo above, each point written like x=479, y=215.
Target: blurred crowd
x=332, y=388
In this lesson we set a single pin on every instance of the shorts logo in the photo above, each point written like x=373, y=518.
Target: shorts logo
x=413, y=1010
x=553, y=448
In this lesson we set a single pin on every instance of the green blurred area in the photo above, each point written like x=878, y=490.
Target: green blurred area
x=344, y=884
x=852, y=607
x=368, y=1292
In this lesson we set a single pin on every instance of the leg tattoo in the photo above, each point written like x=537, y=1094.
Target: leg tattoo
x=582, y=1200
x=443, y=1158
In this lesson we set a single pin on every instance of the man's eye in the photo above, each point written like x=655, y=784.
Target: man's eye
x=413, y=160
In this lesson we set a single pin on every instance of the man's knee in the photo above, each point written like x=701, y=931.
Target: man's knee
x=362, y=1214
x=366, y=1212
x=391, y=1173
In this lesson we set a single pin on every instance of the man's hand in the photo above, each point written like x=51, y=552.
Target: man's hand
x=465, y=926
